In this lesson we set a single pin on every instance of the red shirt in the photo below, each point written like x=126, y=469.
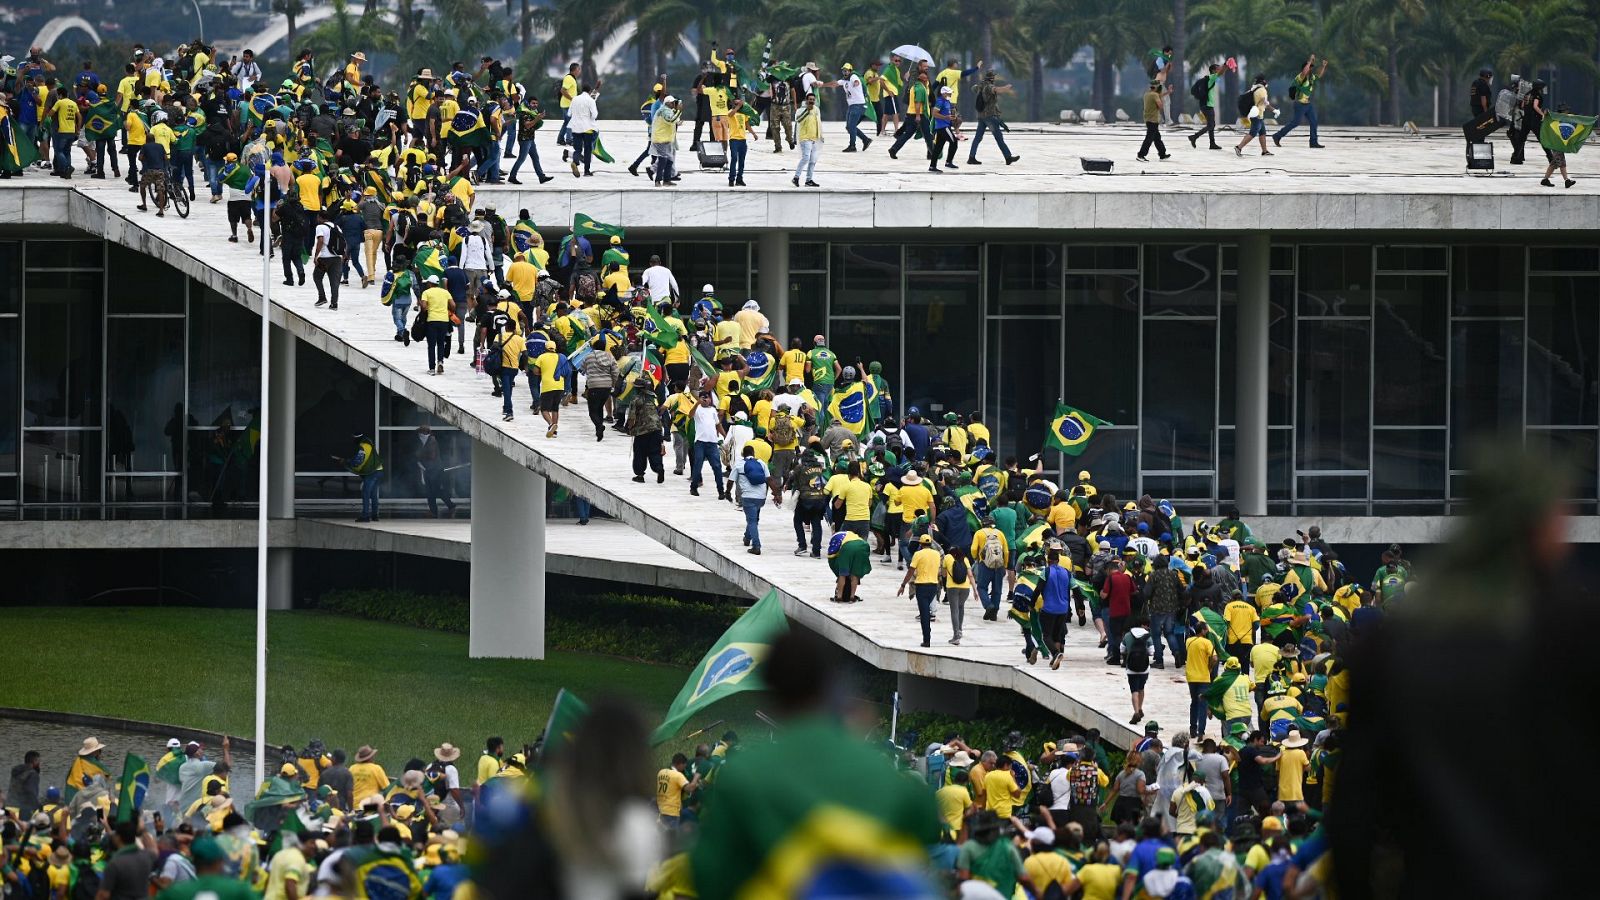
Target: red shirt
x=1119, y=594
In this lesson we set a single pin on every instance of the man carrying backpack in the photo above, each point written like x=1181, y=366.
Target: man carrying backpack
x=1254, y=104
x=329, y=258
x=1204, y=91
x=1136, y=663
x=992, y=552
x=1300, y=91
x=783, y=433
x=750, y=478
x=809, y=480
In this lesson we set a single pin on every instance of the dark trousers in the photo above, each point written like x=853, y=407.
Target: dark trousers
x=508, y=381
x=1210, y=131
x=436, y=485
x=1054, y=626
x=583, y=149
x=290, y=253
x=438, y=343
x=808, y=514
x=329, y=267
x=942, y=142
x=647, y=452
x=1199, y=712
x=597, y=398
x=913, y=126
x=927, y=595
x=1241, y=652
x=1152, y=138
x=1115, y=626
x=702, y=118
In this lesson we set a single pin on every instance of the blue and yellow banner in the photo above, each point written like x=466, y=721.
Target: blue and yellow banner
x=732, y=665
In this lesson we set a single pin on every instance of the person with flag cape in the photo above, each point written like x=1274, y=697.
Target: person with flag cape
x=17, y=152
x=733, y=664
x=1070, y=430
x=86, y=769
x=761, y=373
x=848, y=407
x=1027, y=601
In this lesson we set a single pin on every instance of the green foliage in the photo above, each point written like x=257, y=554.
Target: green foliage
x=633, y=626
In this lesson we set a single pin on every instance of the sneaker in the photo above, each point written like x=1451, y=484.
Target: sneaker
x=973, y=162
x=694, y=491
x=817, y=555
x=1570, y=182
x=794, y=181
x=1266, y=153
x=754, y=551
x=575, y=172
x=639, y=478
x=1547, y=182
x=925, y=643
x=1166, y=156
x=866, y=142
x=1055, y=662
x=546, y=178
x=955, y=642
x=951, y=166
x=661, y=477
x=439, y=370
x=1141, y=159
x=512, y=180
x=322, y=301
x=1033, y=656
x=848, y=150
x=1318, y=146
x=1277, y=141
x=801, y=552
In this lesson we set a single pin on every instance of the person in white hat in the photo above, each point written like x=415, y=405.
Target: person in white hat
x=664, y=140
x=436, y=305
x=1292, y=765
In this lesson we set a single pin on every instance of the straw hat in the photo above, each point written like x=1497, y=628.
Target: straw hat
x=425, y=75
x=447, y=752
x=1295, y=739
x=358, y=56
x=91, y=745
x=411, y=780
x=366, y=753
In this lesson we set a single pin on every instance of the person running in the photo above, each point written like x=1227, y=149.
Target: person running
x=1300, y=91
x=1256, y=112
x=1205, y=92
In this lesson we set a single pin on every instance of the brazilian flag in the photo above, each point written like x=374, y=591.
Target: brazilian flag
x=102, y=121
x=565, y=715
x=466, y=129
x=1564, y=132
x=16, y=152
x=396, y=284
x=428, y=261
x=381, y=872
x=167, y=767
x=657, y=329
x=82, y=774
x=763, y=373
x=874, y=399
x=586, y=226
x=732, y=665
x=849, y=407
x=647, y=362
x=1219, y=689
x=239, y=178
x=1210, y=623
x=378, y=180
x=1070, y=430
x=614, y=255
x=600, y=151
x=133, y=787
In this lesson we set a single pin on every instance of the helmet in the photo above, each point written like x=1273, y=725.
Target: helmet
x=707, y=289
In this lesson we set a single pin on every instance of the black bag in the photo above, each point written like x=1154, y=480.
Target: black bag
x=419, y=327
x=712, y=155
x=492, y=359
x=336, y=242
x=1479, y=128
x=1247, y=102
x=1139, y=655
x=1201, y=90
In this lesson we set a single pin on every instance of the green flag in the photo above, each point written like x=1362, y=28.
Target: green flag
x=17, y=153
x=102, y=121
x=663, y=335
x=1564, y=132
x=586, y=226
x=600, y=151
x=565, y=715
x=732, y=665
x=1219, y=689
x=1070, y=430
x=168, y=766
x=131, y=790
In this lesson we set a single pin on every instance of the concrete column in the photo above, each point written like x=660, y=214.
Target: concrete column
x=506, y=619
x=280, y=463
x=919, y=693
x=772, y=282
x=1250, y=380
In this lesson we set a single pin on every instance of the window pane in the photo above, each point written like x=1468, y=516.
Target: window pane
x=1103, y=258
x=399, y=449
x=866, y=280
x=1332, y=392
x=943, y=312
x=331, y=404
x=1179, y=395
x=1485, y=384
x=66, y=255
x=1025, y=279
x=140, y=283
x=10, y=276
x=224, y=358
x=1102, y=324
x=1335, y=280
x=62, y=360
x=1409, y=350
x=1022, y=398
x=1280, y=352
x=222, y=469
x=941, y=257
x=1487, y=281
x=10, y=357
x=1280, y=469
x=1393, y=258
x=1111, y=459
x=1408, y=465
x=1333, y=487
x=61, y=467
x=1564, y=259
x=805, y=257
x=1563, y=343
x=1179, y=487
x=1180, y=279
x=808, y=306
x=1576, y=450
x=724, y=265
x=873, y=340
x=144, y=416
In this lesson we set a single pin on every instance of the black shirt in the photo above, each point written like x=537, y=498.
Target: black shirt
x=1251, y=775
x=1482, y=98
x=353, y=151
x=127, y=875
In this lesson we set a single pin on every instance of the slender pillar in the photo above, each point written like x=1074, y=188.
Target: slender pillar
x=507, y=595
x=280, y=464
x=1250, y=382
x=772, y=281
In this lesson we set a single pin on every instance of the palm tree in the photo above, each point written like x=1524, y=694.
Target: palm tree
x=1052, y=34
x=457, y=30
x=1264, y=34
x=1114, y=29
x=343, y=33
x=1540, y=35
x=291, y=9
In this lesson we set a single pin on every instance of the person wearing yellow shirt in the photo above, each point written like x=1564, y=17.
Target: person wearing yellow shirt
x=1045, y=866
x=671, y=787
x=436, y=304
x=915, y=498
x=725, y=338
x=957, y=588
x=1063, y=516
x=552, y=387
x=366, y=776
x=511, y=346
x=855, y=495
x=569, y=92
x=523, y=277
x=924, y=574
x=1263, y=659
x=1292, y=763
x=999, y=791
x=952, y=73
x=1241, y=616
x=954, y=802
x=65, y=116
x=793, y=362
x=738, y=146
x=808, y=122
x=991, y=579
x=1199, y=661
x=310, y=186
x=489, y=764
x=128, y=87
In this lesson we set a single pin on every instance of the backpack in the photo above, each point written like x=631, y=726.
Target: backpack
x=980, y=102
x=1043, y=793
x=583, y=287
x=895, y=443
x=936, y=765
x=782, y=431
x=1294, y=89
x=994, y=552
x=1138, y=655
x=1085, y=786
x=959, y=571
x=754, y=472
x=813, y=482
x=1247, y=102
x=336, y=241
x=1201, y=89
x=492, y=358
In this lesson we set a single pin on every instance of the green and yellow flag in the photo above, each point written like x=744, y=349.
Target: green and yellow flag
x=565, y=715
x=1564, y=132
x=16, y=151
x=83, y=772
x=102, y=121
x=133, y=787
x=1070, y=430
x=732, y=665
x=167, y=767
x=662, y=333
x=466, y=129
x=849, y=408
x=587, y=226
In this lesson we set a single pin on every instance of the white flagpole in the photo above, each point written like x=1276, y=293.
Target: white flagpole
x=261, y=462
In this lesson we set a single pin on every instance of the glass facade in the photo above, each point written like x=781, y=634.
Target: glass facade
x=1385, y=363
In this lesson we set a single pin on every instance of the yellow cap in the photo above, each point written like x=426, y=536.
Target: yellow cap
x=658, y=87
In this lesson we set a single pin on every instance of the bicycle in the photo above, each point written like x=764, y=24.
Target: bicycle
x=179, y=197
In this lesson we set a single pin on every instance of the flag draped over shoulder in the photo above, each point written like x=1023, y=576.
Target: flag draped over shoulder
x=849, y=408
x=466, y=129
x=1219, y=689
x=1215, y=630
x=83, y=772
x=167, y=767
x=732, y=665
x=133, y=787
x=16, y=153
x=762, y=374
x=661, y=333
x=1070, y=430
x=1564, y=132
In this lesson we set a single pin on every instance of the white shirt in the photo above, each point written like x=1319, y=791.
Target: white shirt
x=1233, y=552
x=734, y=440
x=808, y=83
x=1146, y=546
x=475, y=252
x=584, y=115
x=661, y=284
x=854, y=93
x=452, y=778
x=325, y=238
x=706, y=419
x=247, y=73
x=790, y=402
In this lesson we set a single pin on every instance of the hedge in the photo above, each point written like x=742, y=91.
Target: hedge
x=634, y=626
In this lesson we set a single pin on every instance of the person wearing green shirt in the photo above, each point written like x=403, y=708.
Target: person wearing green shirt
x=210, y=882
x=1300, y=90
x=986, y=856
x=824, y=369
x=1208, y=108
x=183, y=152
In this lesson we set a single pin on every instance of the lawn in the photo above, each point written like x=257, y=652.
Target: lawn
x=347, y=681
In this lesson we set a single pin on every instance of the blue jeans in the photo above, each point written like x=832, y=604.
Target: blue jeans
x=1199, y=711
x=707, y=451
x=183, y=169
x=511, y=141
x=1307, y=111
x=736, y=154
x=369, y=496
x=508, y=380
x=61, y=163
x=752, y=519
x=991, y=582
x=399, y=311
x=927, y=595
x=490, y=167
x=824, y=393
x=852, y=124
x=808, y=161
x=993, y=125
x=583, y=149
x=582, y=507
x=213, y=170
x=528, y=151
x=564, y=136
x=1164, y=630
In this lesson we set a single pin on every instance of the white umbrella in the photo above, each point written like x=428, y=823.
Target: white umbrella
x=913, y=53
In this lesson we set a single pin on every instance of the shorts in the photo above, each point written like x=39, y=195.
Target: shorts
x=678, y=373
x=1136, y=682
x=550, y=401
x=1258, y=127
x=152, y=176
x=239, y=212
x=888, y=106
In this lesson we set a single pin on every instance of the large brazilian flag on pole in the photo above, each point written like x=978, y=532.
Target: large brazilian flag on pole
x=732, y=665
x=1070, y=430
